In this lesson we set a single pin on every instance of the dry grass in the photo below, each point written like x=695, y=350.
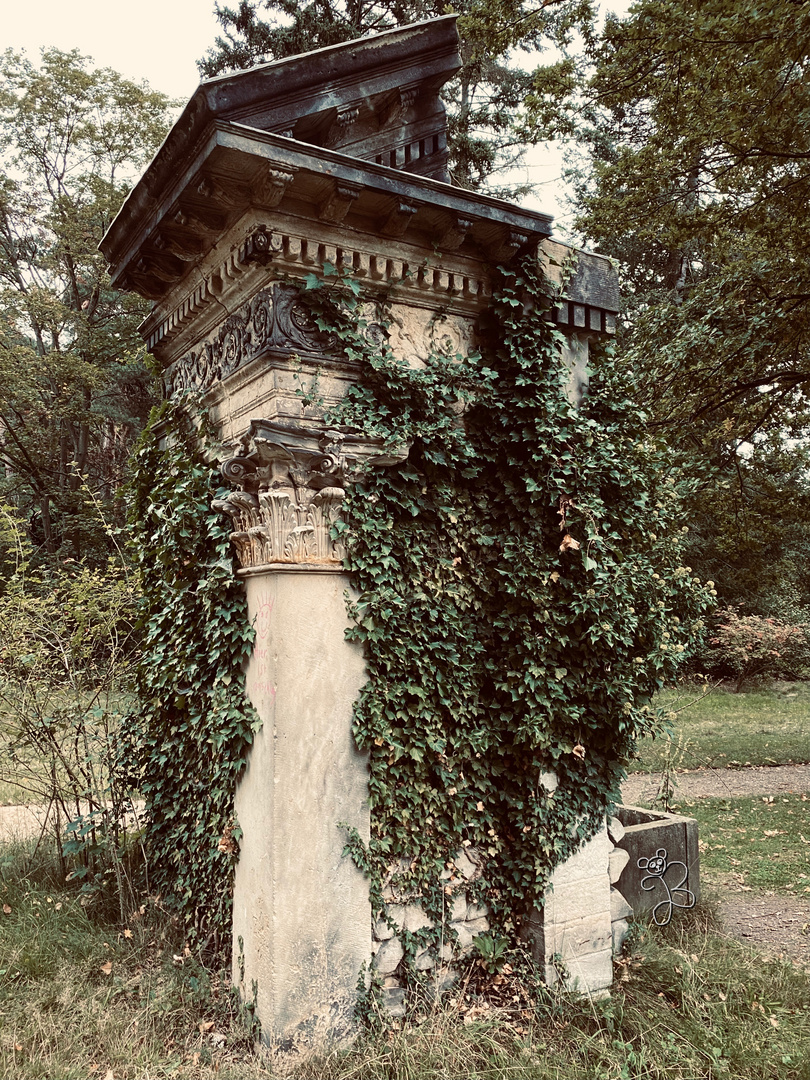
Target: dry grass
x=83, y=997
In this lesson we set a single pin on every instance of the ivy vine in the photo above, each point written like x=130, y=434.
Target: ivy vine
x=520, y=595
x=189, y=742
x=518, y=591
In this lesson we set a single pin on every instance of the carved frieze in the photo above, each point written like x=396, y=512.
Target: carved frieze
x=291, y=483
x=274, y=319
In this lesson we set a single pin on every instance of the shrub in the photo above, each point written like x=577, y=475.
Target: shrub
x=753, y=648
x=67, y=646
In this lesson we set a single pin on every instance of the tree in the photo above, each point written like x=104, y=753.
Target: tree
x=486, y=100
x=696, y=179
x=74, y=389
x=699, y=133
x=750, y=531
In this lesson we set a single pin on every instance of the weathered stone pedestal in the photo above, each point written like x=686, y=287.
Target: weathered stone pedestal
x=330, y=164
x=301, y=911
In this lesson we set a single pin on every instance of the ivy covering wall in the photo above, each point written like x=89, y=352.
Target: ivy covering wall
x=521, y=598
x=188, y=744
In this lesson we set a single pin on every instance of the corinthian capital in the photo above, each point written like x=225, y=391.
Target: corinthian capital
x=290, y=484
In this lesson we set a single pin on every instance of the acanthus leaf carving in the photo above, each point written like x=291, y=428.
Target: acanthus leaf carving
x=291, y=485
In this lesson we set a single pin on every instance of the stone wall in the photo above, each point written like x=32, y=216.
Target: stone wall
x=573, y=939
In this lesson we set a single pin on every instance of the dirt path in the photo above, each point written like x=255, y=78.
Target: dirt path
x=19, y=822
x=775, y=924
x=719, y=783
x=22, y=822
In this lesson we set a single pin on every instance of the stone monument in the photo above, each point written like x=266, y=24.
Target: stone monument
x=337, y=157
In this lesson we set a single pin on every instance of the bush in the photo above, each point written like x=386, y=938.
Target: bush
x=753, y=648
x=67, y=650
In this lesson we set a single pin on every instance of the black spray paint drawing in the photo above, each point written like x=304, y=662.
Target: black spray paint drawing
x=677, y=896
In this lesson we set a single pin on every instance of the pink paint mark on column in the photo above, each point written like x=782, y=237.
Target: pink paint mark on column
x=259, y=688
x=263, y=618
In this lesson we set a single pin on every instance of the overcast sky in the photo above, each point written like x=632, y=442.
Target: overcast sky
x=160, y=40
x=156, y=40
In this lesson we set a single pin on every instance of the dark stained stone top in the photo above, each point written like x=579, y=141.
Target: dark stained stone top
x=353, y=136
x=154, y=241
x=374, y=98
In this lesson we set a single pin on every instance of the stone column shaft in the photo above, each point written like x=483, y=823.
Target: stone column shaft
x=302, y=920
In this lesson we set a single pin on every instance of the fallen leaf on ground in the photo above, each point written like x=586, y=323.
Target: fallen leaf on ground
x=107, y=969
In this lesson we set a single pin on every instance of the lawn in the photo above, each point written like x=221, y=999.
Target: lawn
x=85, y=998
x=763, y=842
x=720, y=728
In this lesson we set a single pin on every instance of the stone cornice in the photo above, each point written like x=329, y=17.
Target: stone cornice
x=456, y=284
x=450, y=283
x=152, y=252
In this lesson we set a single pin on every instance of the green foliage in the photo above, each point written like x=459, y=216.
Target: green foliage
x=700, y=180
x=752, y=648
x=495, y=653
x=74, y=390
x=190, y=738
x=749, y=524
x=694, y=179
x=492, y=951
x=67, y=652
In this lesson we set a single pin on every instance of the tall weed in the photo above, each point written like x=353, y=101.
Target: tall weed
x=67, y=650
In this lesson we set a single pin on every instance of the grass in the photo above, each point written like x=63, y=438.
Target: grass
x=763, y=842
x=82, y=997
x=762, y=727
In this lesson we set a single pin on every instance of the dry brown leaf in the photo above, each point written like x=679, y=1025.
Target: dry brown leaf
x=227, y=844
x=579, y=751
x=127, y=933
x=206, y=1025
x=107, y=968
x=6, y=909
x=108, y=1075
x=569, y=544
